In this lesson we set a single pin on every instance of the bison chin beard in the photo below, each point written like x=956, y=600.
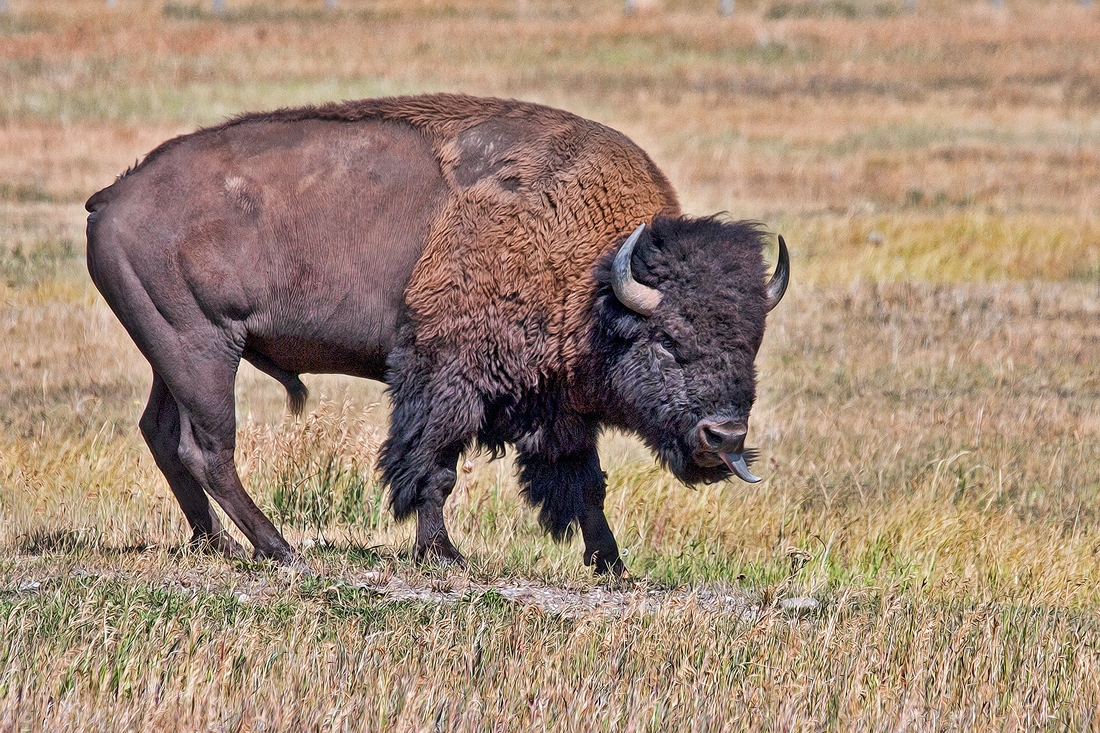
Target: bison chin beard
x=683, y=465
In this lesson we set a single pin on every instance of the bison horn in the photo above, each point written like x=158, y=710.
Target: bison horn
x=782, y=275
x=639, y=298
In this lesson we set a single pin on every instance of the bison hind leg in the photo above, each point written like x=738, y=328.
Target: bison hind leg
x=160, y=426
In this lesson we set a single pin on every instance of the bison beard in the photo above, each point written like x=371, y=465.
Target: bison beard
x=462, y=250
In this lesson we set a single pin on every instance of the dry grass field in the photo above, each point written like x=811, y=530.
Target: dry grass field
x=929, y=412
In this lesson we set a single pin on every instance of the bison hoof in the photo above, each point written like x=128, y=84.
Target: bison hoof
x=440, y=551
x=219, y=543
x=288, y=561
x=612, y=568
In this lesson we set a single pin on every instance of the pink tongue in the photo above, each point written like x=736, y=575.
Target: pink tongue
x=736, y=463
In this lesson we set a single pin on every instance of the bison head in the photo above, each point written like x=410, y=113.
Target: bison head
x=679, y=318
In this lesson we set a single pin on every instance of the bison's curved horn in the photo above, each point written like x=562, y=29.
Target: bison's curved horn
x=782, y=275
x=639, y=298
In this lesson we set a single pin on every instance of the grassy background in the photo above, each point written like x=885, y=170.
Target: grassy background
x=929, y=413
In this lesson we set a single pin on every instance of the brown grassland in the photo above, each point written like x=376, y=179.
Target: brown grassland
x=929, y=411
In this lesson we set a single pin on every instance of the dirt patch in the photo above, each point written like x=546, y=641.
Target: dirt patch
x=629, y=598
x=595, y=601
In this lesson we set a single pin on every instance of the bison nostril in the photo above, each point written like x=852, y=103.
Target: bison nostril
x=721, y=437
x=712, y=438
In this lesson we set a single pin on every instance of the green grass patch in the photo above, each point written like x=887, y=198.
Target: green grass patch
x=833, y=9
x=24, y=267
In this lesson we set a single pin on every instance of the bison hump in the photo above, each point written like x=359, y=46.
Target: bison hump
x=505, y=284
x=485, y=150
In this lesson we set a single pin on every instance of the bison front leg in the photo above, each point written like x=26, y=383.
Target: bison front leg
x=426, y=495
x=600, y=548
x=435, y=417
x=432, y=540
x=571, y=488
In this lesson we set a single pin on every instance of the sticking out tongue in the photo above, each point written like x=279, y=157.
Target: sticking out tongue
x=736, y=463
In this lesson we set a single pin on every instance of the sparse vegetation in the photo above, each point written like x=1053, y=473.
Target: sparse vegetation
x=929, y=420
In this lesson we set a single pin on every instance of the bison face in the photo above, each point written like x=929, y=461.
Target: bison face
x=680, y=316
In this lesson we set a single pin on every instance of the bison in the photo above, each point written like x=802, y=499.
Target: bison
x=514, y=273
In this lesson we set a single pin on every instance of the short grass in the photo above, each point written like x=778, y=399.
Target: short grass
x=929, y=416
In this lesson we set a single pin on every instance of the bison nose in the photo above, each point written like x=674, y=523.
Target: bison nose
x=721, y=436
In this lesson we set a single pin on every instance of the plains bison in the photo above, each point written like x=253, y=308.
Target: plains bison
x=515, y=274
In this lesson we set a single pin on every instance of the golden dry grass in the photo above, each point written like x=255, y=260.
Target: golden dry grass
x=929, y=414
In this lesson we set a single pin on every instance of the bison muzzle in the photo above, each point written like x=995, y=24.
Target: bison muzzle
x=514, y=273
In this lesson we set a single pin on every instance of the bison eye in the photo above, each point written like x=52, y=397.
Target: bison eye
x=671, y=347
